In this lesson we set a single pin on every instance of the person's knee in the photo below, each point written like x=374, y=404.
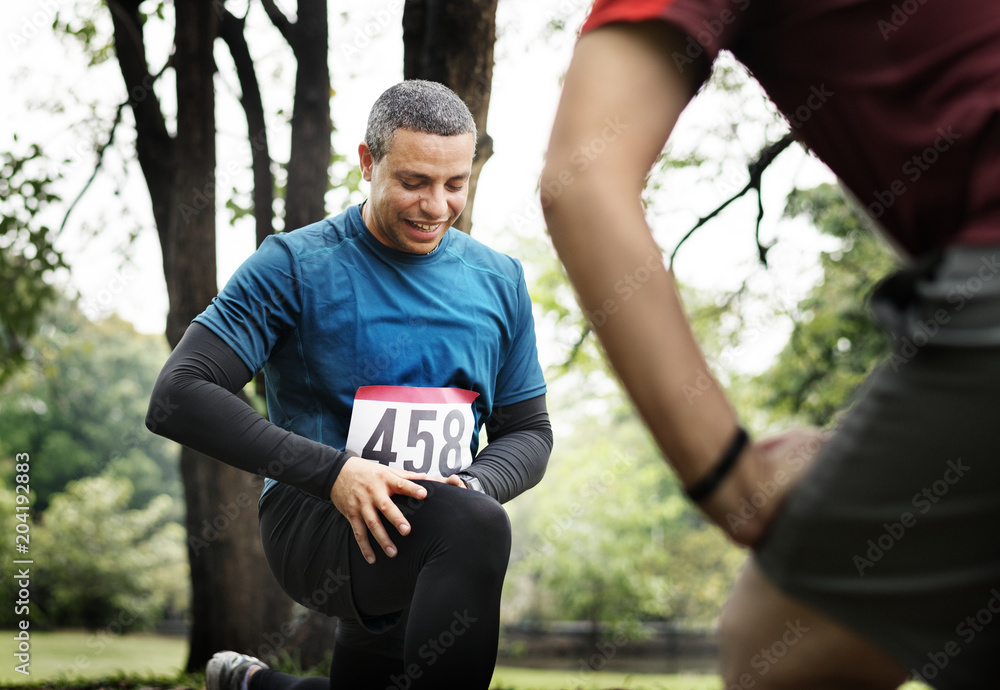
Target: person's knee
x=757, y=643
x=486, y=539
x=471, y=526
x=483, y=524
x=493, y=519
x=769, y=641
x=735, y=632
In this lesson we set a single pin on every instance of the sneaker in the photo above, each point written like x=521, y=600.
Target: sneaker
x=225, y=670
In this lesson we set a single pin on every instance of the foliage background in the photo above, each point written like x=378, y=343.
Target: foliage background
x=605, y=539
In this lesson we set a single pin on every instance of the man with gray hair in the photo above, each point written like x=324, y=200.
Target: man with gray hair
x=387, y=339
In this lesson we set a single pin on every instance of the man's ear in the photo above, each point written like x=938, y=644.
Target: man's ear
x=367, y=162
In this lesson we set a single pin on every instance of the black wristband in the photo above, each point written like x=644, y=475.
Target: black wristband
x=703, y=488
x=471, y=482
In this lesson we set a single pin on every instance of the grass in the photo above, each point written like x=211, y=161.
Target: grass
x=64, y=655
x=86, y=661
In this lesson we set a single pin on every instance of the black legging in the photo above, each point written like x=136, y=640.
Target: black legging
x=445, y=583
x=350, y=669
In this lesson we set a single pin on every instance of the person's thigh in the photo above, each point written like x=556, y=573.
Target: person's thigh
x=306, y=542
x=466, y=529
x=456, y=552
x=444, y=587
x=769, y=641
x=892, y=531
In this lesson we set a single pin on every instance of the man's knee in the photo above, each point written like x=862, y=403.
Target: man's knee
x=475, y=527
x=464, y=517
x=483, y=520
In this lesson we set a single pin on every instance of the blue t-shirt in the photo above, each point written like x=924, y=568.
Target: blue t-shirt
x=327, y=308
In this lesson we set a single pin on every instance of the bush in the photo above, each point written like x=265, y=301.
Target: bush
x=105, y=564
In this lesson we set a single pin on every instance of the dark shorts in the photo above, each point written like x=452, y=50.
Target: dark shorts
x=306, y=543
x=311, y=551
x=896, y=529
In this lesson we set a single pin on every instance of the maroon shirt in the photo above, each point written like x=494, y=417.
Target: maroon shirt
x=900, y=98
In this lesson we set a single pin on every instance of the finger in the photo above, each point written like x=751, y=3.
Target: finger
x=377, y=529
x=399, y=485
x=408, y=474
x=440, y=480
x=394, y=515
x=361, y=536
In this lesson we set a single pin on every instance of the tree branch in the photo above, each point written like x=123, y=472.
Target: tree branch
x=756, y=169
x=155, y=148
x=231, y=31
x=280, y=21
x=101, y=151
x=585, y=331
x=97, y=167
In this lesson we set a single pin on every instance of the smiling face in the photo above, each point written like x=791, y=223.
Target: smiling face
x=418, y=189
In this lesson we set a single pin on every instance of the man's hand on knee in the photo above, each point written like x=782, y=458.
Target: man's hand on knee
x=364, y=490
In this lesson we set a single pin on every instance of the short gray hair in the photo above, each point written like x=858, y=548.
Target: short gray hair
x=420, y=106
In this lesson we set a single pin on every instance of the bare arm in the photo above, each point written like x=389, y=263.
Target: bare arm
x=621, y=99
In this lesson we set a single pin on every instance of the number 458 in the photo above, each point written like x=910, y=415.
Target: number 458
x=379, y=446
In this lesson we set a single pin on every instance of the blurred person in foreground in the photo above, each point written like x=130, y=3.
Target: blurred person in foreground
x=874, y=550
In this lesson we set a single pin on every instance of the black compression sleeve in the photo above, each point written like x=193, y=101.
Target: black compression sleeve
x=520, y=442
x=194, y=402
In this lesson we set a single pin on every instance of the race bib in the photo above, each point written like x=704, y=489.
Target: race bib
x=417, y=429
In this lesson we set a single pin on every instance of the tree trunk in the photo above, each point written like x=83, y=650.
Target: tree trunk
x=234, y=598
x=235, y=603
x=451, y=42
x=307, y=636
x=311, y=151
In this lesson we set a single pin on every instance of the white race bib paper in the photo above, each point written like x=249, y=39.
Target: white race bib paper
x=417, y=429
